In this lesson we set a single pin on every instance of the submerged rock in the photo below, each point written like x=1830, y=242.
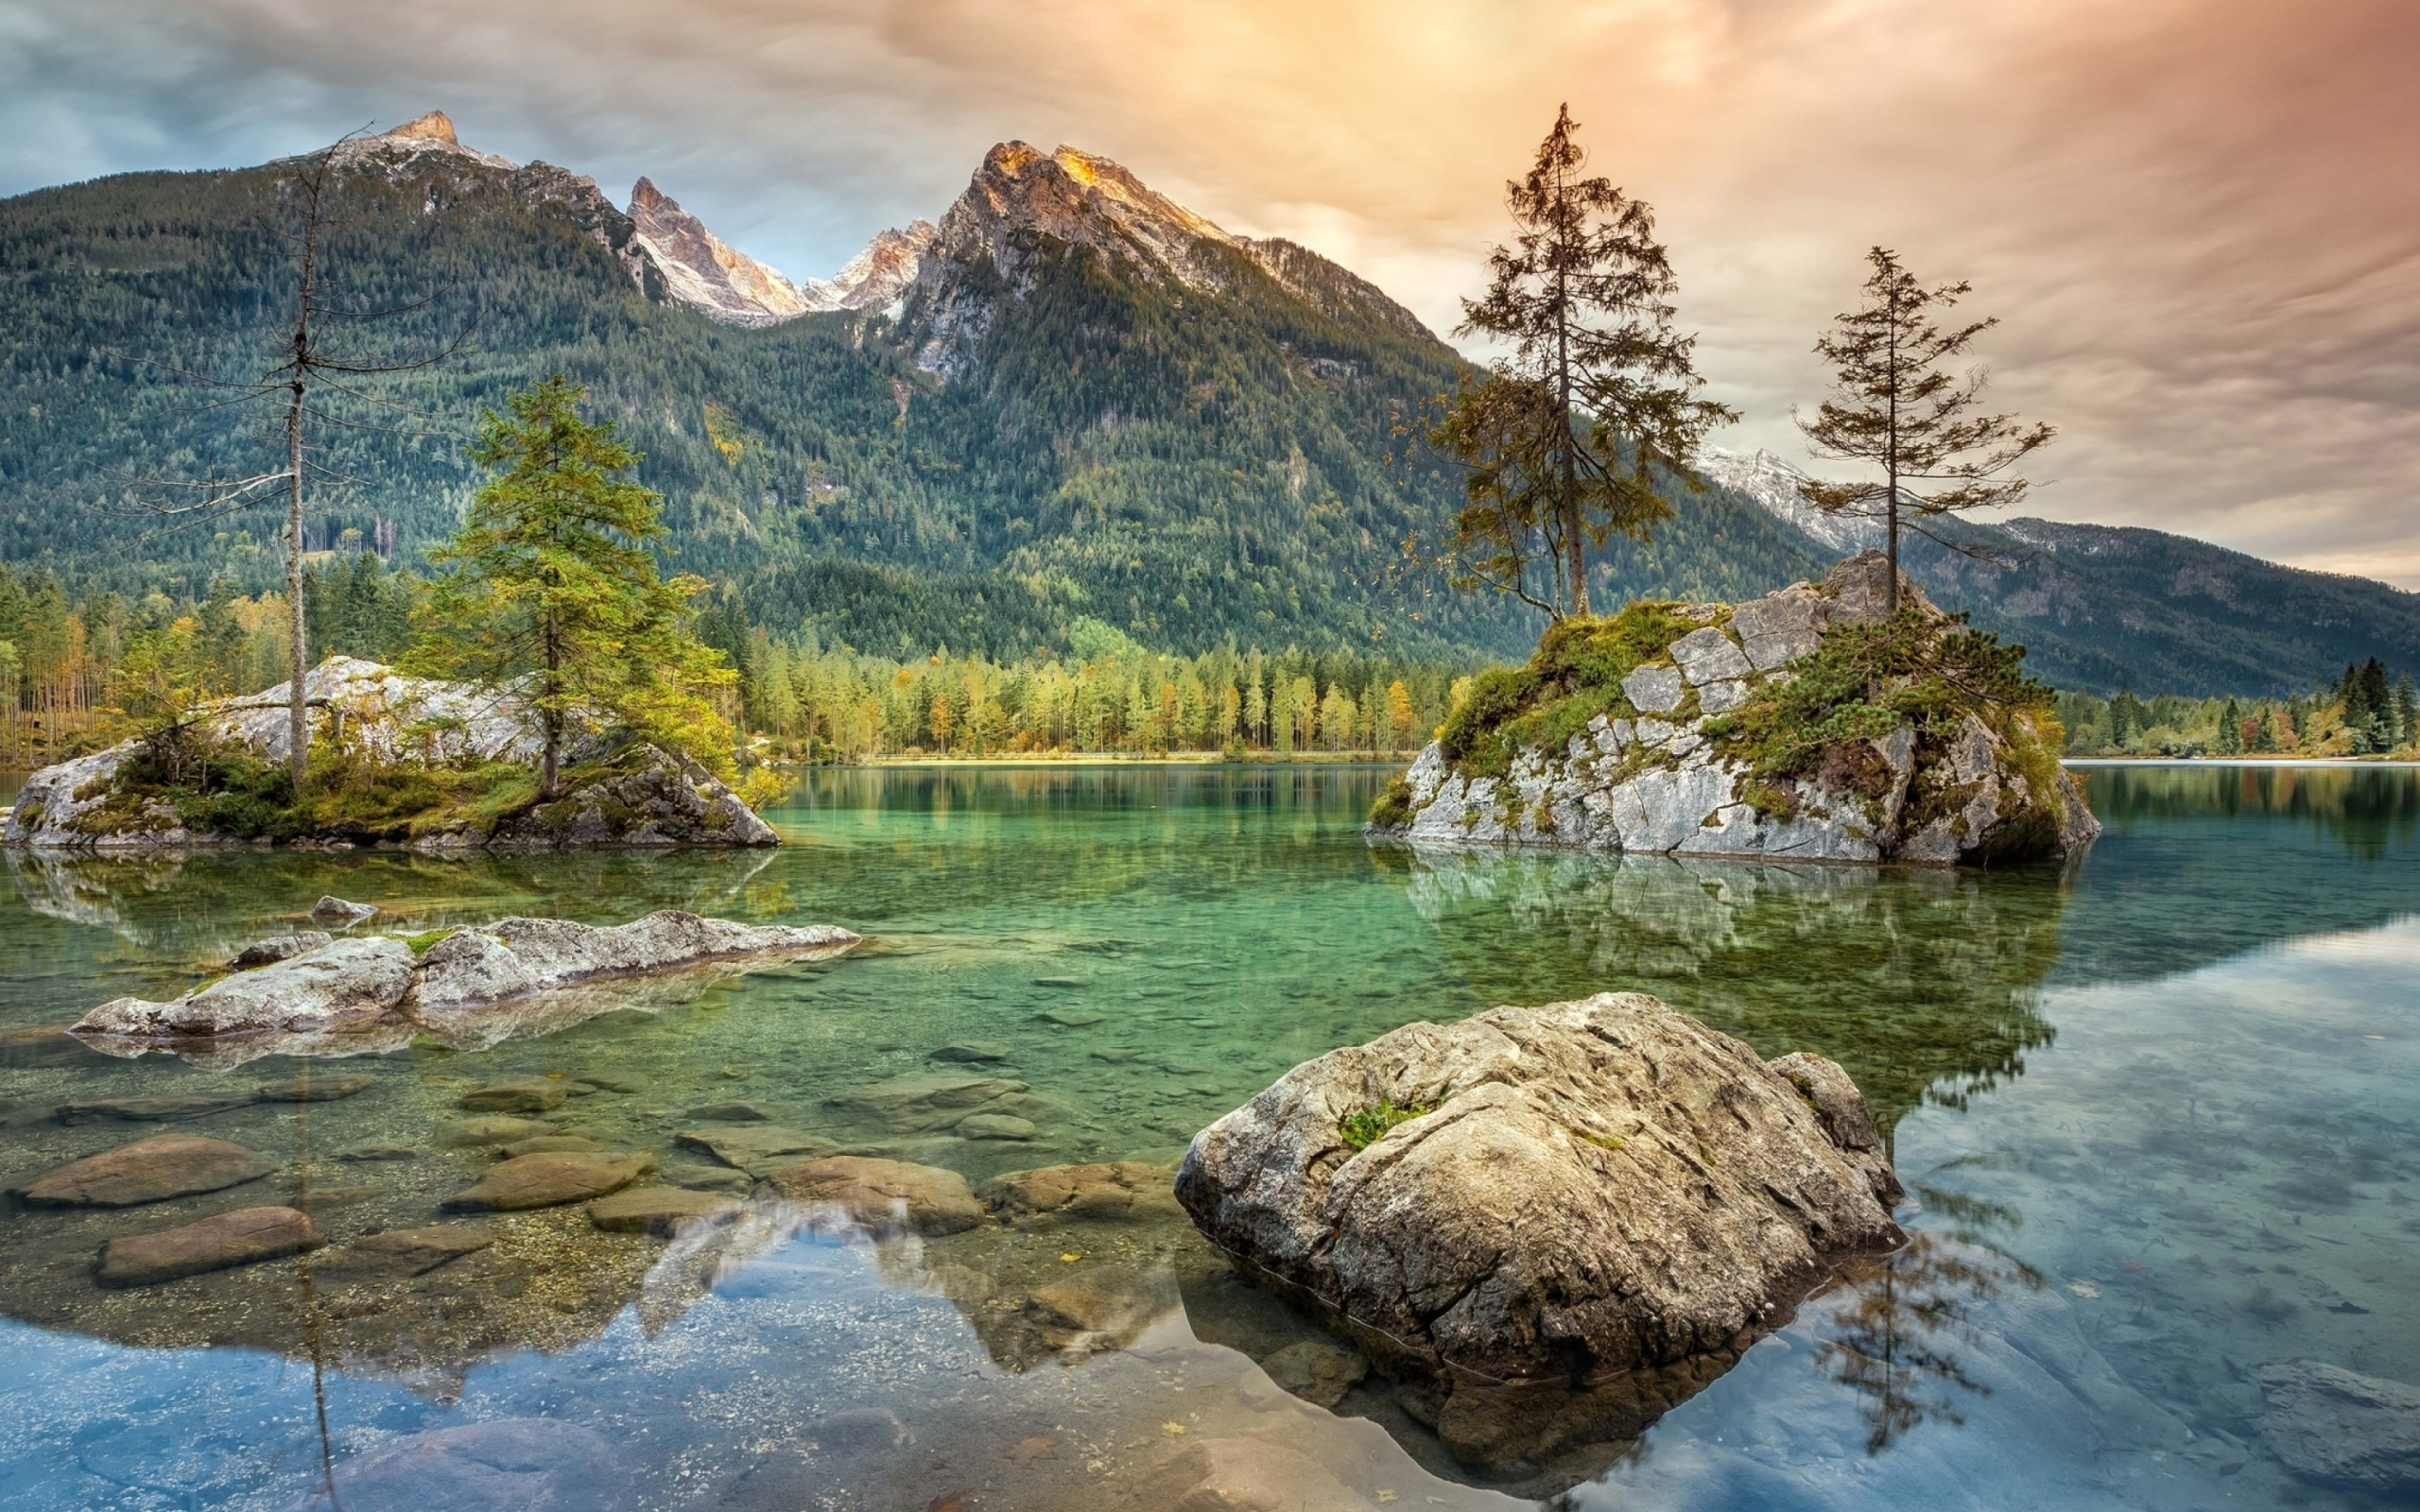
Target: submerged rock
x=526, y=1464
x=152, y=1170
x=153, y=1109
x=472, y=967
x=1318, y=1373
x=516, y=1094
x=1094, y=1193
x=340, y=912
x=882, y=1196
x=759, y=1149
x=243, y=1237
x=925, y=1103
x=1663, y=770
x=2337, y=1425
x=400, y=1252
x=347, y=985
x=277, y=948
x=547, y=1180
x=659, y=1210
x=1695, y=1194
x=303, y=1088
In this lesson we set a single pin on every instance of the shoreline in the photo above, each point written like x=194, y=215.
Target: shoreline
x=2345, y=762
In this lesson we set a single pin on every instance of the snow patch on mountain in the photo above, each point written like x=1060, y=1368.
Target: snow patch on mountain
x=706, y=273
x=1774, y=484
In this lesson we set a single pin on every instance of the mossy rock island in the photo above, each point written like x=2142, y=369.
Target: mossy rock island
x=1812, y=724
x=395, y=761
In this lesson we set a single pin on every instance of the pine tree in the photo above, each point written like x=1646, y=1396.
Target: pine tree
x=550, y=577
x=1561, y=441
x=1894, y=408
x=2230, y=730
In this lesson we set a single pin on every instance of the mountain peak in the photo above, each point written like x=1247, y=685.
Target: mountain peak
x=702, y=270
x=436, y=125
x=432, y=132
x=1078, y=197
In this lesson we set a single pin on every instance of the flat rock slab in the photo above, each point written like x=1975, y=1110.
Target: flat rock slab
x=659, y=1210
x=2336, y=1425
x=407, y=1251
x=44, y=1045
x=553, y=1145
x=730, y=1113
x=464, y=1133
x=523, y=1464
x=993, y=1127
x=349, y=985
x=337, y=911
x=516, y=1094
x=971, y=1051
x=303, y=1088
x=473, y=968
x=152, y=1170
x=244, y=1237
x=923, y=1104
x=759, y=1149
x=700, y=1177
x=882, y=1196
x=1096, y=1192
x=277, y=947
x=377, y=1150
x=1321, y=1374
x=547, y=1180
x=1073, y=1017
x=153, y=1109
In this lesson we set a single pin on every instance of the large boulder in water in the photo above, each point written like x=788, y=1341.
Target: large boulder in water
x=1585, y=1191
x=343, y=986
x=513, y=957
x=1690, y=729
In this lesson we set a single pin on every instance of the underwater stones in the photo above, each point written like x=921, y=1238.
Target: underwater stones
x=659, y=1210
x=334, y=910
x=526, y=1464
x=552, y=1145
x=923, y=1104
x=730, y=1113
x=1706, y=655
x=152, y=1110
x=1247, y=1473
x=241, y=1238
x=2338, y=1426
x=698, y=1177
x=970, y=1051
x=515, y=1094
x=993, y=1127
x=472, y=967
x=277, y=947
x=1318, y=1373
x=309, y=1089
x=44, y=1045
x=1103, y=1191
x=400, y=1252
x=377, y=1150
x=469, y=1132
x=1101, y=1308
x=547, y=1180
x=341, y=987
x=152, y=1170
x=883, y=1196
x=758, y=1149
x=1653, y=690
x=1695, y=1194
x=1072, y=1018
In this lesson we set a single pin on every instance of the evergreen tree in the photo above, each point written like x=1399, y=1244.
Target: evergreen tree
x=2230, y=730
x=550, y=577
x=1894, y=408
x=1561, y=441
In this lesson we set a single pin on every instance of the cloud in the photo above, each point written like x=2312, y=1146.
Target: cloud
x=2194, y=216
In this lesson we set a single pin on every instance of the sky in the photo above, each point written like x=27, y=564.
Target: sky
x=2196, y=220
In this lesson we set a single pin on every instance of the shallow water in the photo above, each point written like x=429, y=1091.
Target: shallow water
x=2158, y=1117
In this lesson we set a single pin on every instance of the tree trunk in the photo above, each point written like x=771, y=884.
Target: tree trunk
x=298, y=717
x=1891, y=471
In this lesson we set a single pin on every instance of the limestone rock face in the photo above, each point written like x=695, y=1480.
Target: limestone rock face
x=1653, y=782
x=227, y=1239
x=1694, y=1193
x=343, y=986
x=152, y=1170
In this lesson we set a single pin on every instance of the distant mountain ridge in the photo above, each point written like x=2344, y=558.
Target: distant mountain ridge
x=1068, y=397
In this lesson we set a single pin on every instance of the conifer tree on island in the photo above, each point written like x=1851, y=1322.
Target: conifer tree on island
x=1894, y=408
x=1560, y=441
x=550, y=584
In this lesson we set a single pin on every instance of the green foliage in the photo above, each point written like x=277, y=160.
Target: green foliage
x=1361, y=1129
x=1863, y=681
x=1392, y=809
x=420, y=942
x=550, y=579
x=1574, y=675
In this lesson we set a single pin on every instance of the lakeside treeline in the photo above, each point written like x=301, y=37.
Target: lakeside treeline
x=80, y=669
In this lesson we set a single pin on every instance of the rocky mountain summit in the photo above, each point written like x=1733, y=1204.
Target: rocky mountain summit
x=1807, y=725
x=190, y=785
x=1696, y=1190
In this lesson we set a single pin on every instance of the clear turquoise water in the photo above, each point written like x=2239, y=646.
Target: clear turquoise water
x=2159, y=1117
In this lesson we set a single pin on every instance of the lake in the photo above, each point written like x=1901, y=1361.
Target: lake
x=2159, y=1118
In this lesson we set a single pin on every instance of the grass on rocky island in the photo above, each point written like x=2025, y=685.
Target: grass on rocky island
x=1575, y=674
x=1360, y=1130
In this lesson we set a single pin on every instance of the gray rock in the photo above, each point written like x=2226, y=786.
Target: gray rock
x=277, y=947
x=1706, y=655
x=1696, y=1194
x=971, y=1051
x=1653, y=690
x=243, y=1237
x=923, y=1104
x=758, y=1149
x=337, y=911
x=882, y=1197
x=377, y=1150
x=730, y=1114
x=306, y=1088
x=516, y=1094
x=2336, y=1425
x=469, y=1132
x=152, y=1170
x=1855, y=591
x=473, y=968
x=1318, y=1373
x=1779, y=627
x=153, y=1109
x=993, y=1127
x=659, y=1210
x=347, y=986
x=1722, y=698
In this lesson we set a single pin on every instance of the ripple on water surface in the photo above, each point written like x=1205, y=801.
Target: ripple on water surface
x=2158, y=1117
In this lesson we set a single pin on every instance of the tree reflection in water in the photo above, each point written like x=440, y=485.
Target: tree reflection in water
x=1897, y=1326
